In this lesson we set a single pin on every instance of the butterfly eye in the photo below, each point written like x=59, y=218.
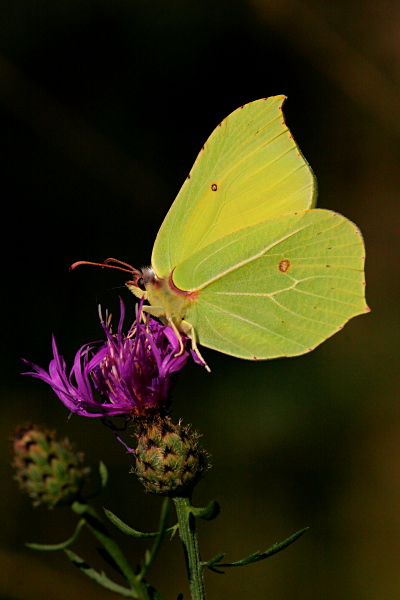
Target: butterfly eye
x=137, y=281
x=214, y=187
x=149, y=276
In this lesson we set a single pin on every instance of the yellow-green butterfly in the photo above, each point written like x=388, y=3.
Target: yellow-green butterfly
x=243, y=263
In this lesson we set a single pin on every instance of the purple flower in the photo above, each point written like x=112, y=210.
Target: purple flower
x=126, y=375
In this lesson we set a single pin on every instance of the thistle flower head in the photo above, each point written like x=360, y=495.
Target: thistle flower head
x=49, y=470
x=169, y=459
x=130, y=375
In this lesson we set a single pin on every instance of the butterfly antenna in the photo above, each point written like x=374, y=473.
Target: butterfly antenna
x=137, y=275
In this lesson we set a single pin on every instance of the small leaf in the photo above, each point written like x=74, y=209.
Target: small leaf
x=106, y=556
x=147, y=557
x=215, y=570
x=150, y=556
x=62, y=545
x=256, y=556
x=208, y=513
x=210, y=563
x=100, y=578
x=214, y=560
x=133, y=532
x=103, y=474
x=100, y=531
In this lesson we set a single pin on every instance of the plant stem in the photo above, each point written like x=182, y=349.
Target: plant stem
x=188, y=535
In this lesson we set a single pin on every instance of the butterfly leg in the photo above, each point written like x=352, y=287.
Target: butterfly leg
x=136, y=291
x=184, y=326
x=159, y=312
x=178, y=335
x=154, y=311
x=188, y=329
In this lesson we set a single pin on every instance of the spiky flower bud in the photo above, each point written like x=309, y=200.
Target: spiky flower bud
x=47, y=469
x=169, y=460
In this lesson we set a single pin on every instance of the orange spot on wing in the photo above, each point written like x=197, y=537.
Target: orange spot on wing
x=284, y=265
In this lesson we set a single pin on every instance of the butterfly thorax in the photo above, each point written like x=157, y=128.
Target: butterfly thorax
x=169, y=302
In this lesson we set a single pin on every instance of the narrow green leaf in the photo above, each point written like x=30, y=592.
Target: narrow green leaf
x=103, y=474
x=147, y=557
x=100, y=578
x=106, y=556
x=214, y=560
x=150, y=556
x=110, y=546
x=62, y=545
x=215, y=570
x=256, y=556
x=133, y=532
x=208, y=513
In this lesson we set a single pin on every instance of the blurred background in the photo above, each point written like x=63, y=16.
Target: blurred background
x=104, y=106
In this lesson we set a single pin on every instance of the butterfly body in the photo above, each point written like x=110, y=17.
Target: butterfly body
x=166, y=300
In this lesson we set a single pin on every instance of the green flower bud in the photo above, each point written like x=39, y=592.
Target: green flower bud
x=169, y=460
x=47, y=469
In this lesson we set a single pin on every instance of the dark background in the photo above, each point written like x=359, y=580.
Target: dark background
x=103, y=108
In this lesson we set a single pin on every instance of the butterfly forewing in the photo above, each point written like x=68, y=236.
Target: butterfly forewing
x=249, y=170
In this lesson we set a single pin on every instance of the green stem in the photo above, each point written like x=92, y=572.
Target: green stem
x=188, y=535
x=97, y=527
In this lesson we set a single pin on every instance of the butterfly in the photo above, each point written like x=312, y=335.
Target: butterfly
x=243, y=263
